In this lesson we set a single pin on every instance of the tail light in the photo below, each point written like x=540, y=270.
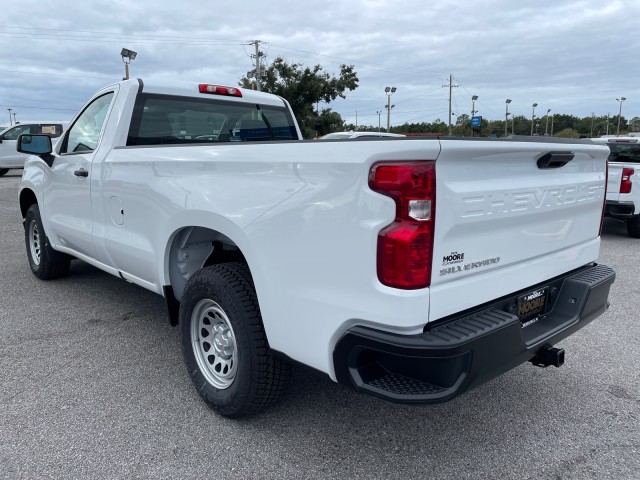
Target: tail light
x=405, y=247
x=625, y=182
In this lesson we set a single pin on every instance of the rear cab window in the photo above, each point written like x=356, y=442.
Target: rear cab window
x=624, y=152
x=166, y=119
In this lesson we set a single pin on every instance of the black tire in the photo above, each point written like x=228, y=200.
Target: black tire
x=237, y=375
x=633, y=227
x=3, y=171
x=44, y=261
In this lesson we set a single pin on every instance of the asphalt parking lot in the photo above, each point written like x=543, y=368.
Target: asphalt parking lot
x=93, y=386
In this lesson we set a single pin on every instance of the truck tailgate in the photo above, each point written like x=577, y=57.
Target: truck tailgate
x=613, y=182
x=506, y=221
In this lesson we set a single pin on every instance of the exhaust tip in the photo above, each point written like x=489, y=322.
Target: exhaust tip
x=549, y=356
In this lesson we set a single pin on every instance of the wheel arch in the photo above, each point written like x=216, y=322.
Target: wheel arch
x=190, y=248
x=27, y=198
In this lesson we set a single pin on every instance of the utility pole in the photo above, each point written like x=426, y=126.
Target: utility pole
x=379, y=112
x=506, y=117
x=10, y=122
x=593, y=116
x=450, y=85
x=258, y=73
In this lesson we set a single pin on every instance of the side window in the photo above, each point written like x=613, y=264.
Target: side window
x=54, y=130
x=83, y=136
x=15, y=132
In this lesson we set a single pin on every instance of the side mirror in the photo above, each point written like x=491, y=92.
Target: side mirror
x=34, y=144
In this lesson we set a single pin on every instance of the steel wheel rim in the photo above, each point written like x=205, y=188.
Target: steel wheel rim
x=34, y=242
x=214, y=344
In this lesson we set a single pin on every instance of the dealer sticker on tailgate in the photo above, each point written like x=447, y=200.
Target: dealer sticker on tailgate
x=531, y=305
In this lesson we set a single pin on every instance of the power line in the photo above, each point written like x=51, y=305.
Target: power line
x=49, y=74
x=41, y=108
x=123, y=34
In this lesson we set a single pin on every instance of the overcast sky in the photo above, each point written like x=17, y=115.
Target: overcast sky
x=573, y=57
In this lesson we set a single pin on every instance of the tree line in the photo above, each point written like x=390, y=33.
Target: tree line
x=558, y=125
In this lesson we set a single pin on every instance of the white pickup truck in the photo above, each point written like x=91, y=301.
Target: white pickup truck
x=409, y=269
x=623, y=199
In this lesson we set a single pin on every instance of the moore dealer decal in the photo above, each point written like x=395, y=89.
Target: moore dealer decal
x=468, y=266
x=453, y=257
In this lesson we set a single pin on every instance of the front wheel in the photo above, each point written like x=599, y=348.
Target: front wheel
x=44, y=261
x=224, y=344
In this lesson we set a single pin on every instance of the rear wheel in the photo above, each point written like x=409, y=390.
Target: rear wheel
x=44, y=261
x=3, y=171
x=633, y=226
x=224, y=344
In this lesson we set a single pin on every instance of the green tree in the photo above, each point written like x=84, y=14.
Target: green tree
x=304, y=87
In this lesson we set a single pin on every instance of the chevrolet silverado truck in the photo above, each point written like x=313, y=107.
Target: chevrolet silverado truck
x=411, y=269
x=623, y=200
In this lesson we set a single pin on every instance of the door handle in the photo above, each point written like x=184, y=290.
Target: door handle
x=81, y=173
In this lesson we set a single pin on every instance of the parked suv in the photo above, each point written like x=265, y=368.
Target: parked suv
x=9, y=156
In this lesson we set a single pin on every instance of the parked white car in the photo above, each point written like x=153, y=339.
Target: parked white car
x=9, y=156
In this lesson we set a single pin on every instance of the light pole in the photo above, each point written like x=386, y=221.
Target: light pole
x=533, y=116
x=473, y=112
x=622, y=99
x=506, y=116
x=127, y=56
x=546, y=127
x=608, y=114
x=15, y=122
x=389, y=91
x=388, y=107
x=593, y=116
x=10, y=123
x=552, y=117
x=379, y=112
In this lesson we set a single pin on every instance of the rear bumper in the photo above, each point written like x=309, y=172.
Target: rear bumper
x=619, y=210
x=467, y=350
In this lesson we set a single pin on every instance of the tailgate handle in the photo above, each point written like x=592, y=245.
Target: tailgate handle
x=554, y=160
